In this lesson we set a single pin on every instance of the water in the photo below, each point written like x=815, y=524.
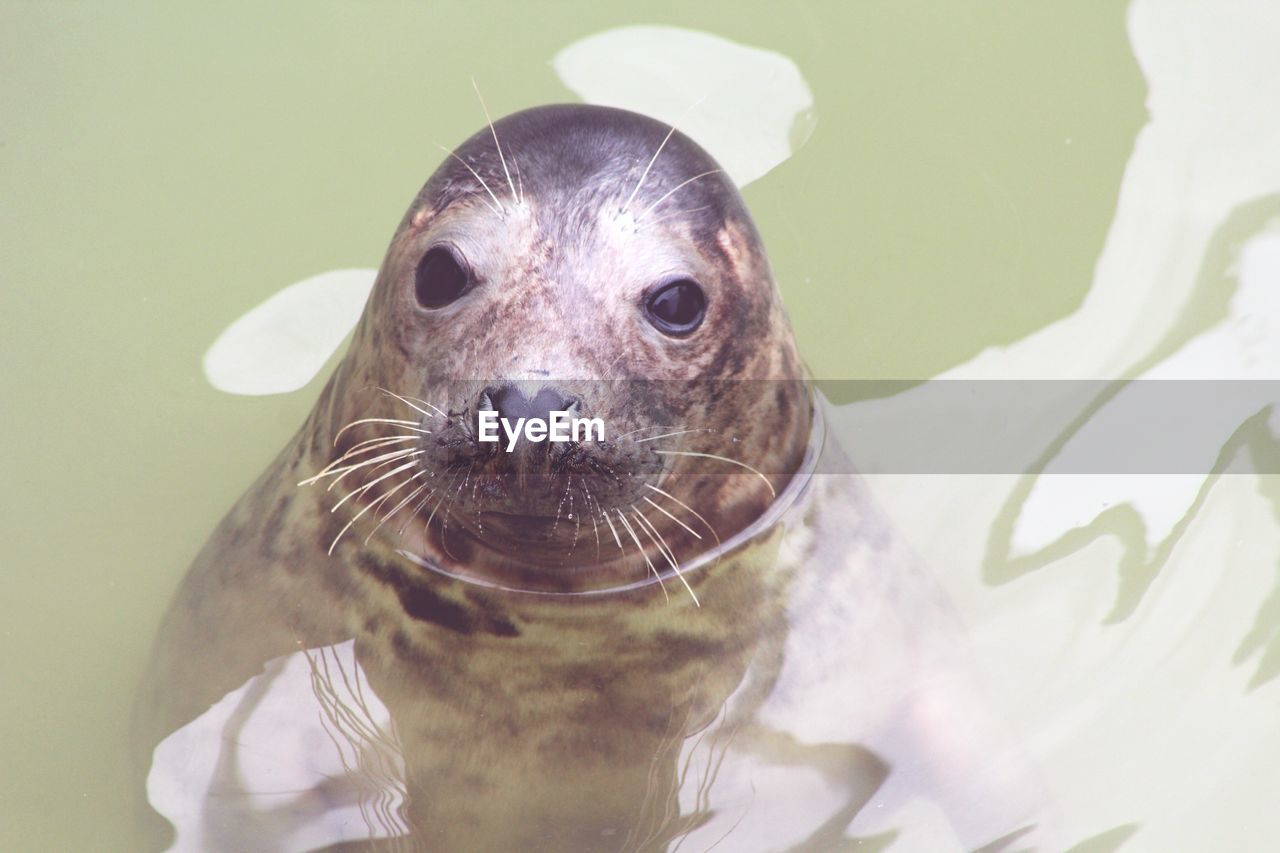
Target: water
x=997, y=190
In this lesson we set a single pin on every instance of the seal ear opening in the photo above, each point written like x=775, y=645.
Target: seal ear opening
x=440, y=278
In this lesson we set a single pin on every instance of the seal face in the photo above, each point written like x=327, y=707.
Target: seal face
x=584, y=260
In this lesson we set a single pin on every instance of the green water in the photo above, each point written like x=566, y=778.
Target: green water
x=164, y=168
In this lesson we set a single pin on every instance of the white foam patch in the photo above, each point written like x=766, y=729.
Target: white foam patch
x=1059, y=503
x=1244, y=346
x=280, y=345
x=750, y=108
x=1208, y=149
x=1158, y=693
x=1163, y=702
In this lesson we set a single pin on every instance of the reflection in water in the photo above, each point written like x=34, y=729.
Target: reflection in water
x=1185, y=288
x=1150, y=513
x=280, y=345
x=1122, y=607
x=301, y=756
x=1195, y=230
x=751, y=108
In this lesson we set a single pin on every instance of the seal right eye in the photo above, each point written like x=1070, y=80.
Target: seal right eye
x=439, y=279
x=677, y=308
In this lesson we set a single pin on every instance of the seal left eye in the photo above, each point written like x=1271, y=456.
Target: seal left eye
x=439, y=279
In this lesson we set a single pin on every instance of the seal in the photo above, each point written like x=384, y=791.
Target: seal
x=626, y=642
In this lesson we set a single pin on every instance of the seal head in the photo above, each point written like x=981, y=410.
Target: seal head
x=592, y=261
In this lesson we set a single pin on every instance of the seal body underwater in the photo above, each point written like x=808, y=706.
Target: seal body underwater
x=674, y=634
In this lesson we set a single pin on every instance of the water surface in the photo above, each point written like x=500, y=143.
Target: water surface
x=993, y=190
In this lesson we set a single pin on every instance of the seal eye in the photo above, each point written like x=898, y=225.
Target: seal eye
x=439, y=279
x=677, y=308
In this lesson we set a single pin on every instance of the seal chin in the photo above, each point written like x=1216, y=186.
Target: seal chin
x=574, y=532
x=585, y=533
x=526, y=536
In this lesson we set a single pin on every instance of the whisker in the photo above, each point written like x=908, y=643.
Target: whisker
x=448, y=512
x=427, y=527
x=577, y=522
x=369, y=485
x=477, y=506
x=413, y=425
x=343, y=473
x=497, y=144
x=398, y=506
x=381, y=439
x=406, y=400
x=416, y=510
x=376, y=461
x=595, y=525
x=329, y=470
x=458, y=494
x=670, y=434
x=645, y=173
x=354, y=520
x=605, y=515
x=691, y=510
x=560, y=506
x=368, y=446
x=660, y=509
x=640, y=548
x=721, y=459
x=674, y=213
x=651, y=532
x=671, y=191
x=448, y=504
x=647, y=526
x=519, y=181
x=498, y=208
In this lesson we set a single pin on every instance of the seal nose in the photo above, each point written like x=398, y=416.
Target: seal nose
x=511, y=404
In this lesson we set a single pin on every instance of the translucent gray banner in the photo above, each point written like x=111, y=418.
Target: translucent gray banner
x=890, y=427
x=1055, y=426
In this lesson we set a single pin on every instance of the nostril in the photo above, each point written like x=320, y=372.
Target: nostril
x=512, y=405
x=546, y=402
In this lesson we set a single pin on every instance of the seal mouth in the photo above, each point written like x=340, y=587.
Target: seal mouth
x=519, y=526
x=553, y=545
x=524, y=578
